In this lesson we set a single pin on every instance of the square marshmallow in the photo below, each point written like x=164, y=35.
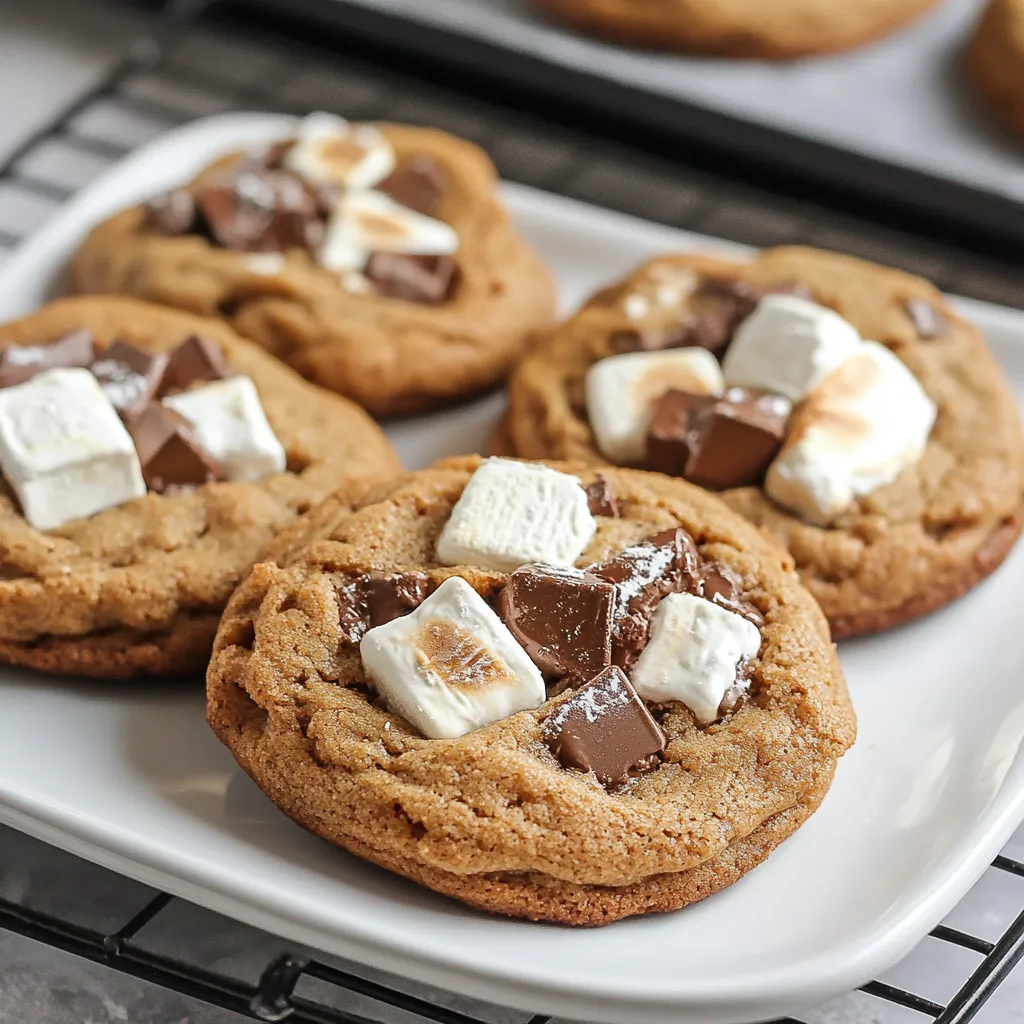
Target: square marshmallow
x=692, y=655
x=863, y=424
x=787, y=345
x=64, y=449
x=511, y=513
x=451, y=666
x=623, y=390
x=331, y=150
x=228, y=422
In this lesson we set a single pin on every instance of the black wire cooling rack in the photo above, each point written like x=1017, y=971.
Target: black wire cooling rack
x=192, y=66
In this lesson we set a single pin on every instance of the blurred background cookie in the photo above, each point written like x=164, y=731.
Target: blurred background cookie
x=995, y=61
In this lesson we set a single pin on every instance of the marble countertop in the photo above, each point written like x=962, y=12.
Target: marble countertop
x=50, y=50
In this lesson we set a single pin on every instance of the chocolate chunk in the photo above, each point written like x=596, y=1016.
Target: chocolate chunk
x=418, y=182
x=668, y=436
x=388, y=597
x=605, y=728
x=425, y=279
x=600, y=499
x=261, y=211
x=169, y=455
x=195, y=361
x=353, y=611
x=129, y=377
x=739, y=690
x=20, y=363
x=561, y=617
x=928, y=321
x=734, y=440
x=721, y=585
x=173, y=213
x=273, y=156
x=664, y=563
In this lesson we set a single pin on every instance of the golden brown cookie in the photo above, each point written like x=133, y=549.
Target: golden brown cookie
x=901, y=551
x=492, y=817
x=740, y=28
x=390, y=354
x=138, y=589
x=995, y=61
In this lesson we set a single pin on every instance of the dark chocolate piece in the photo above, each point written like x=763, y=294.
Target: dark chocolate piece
x=169, y=455
x=129, y=377
x=561, y=617
x=418, y=182
x=739, y=690
x=718, y=583
x=424, y=279
x=273, y=156
x=664, y=563
x=928, y=321
x=600, y=499
x=353, y=611
x=668, y=436
x=605, y=728
x=20, y=363
x=196, y=360
x=733, y=441
x=173, y=213
x=388, y=597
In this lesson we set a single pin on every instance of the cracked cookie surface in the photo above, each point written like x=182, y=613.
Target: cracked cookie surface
x=491, y=818
x=907, y=548
x=137, y=590
x=391, y=356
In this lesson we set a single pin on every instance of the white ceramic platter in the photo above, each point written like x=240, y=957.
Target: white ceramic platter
x=131, y=778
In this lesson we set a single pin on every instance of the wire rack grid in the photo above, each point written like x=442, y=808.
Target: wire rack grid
x=183, y=71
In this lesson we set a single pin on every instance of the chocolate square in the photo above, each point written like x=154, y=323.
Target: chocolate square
x=418, y=182
x=605, y=728
x=389, y=597
x=424, y=279
x=196, y=360
x=561, y=617
x=734, y=440
x=173, y=213
x=668, y=436
x=928, y=321
x=129, y=377
x=600, y=500
x=170, y=457
x=20, y=363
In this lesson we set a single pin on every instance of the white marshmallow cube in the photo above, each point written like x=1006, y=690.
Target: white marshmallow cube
x=693, y=653
x=621, y=392
x=511, y=513
x=451, y=666
x=229, y=424
x=330, y=150
x=787, y=345
x=366, y=222
x=862, y=425
x=64, y=449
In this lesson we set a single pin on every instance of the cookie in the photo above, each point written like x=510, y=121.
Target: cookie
x=379, y=262
x=739, y=28
x=995, y=61
x=894, y=493
x=190, y=446
x=634, y=710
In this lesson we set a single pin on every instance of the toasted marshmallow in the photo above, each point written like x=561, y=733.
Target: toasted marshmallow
x=623, y=390
x=229, y=424
x=511, y=513
x=787, y=345
x=693, y=654
x=264, y=264
x=451, y=666
x=857, y=430
x=331, y=151
x=64, y=449
x=366, y=222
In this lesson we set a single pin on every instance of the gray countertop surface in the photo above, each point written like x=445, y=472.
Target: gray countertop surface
x=49, y=51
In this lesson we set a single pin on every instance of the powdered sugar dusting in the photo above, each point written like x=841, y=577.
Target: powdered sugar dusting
x=649, y=563
x=121, y=384
x=593, y=702
x=27, y=355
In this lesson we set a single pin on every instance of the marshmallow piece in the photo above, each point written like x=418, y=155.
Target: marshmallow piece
x=64, y=449
x=229, y=424
x=451, y=666
x=366, y=222
x=787, y=345
x=329, y=150
x=693, y=654
x=511, y=513
x=861, y=426
x=623, y=390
